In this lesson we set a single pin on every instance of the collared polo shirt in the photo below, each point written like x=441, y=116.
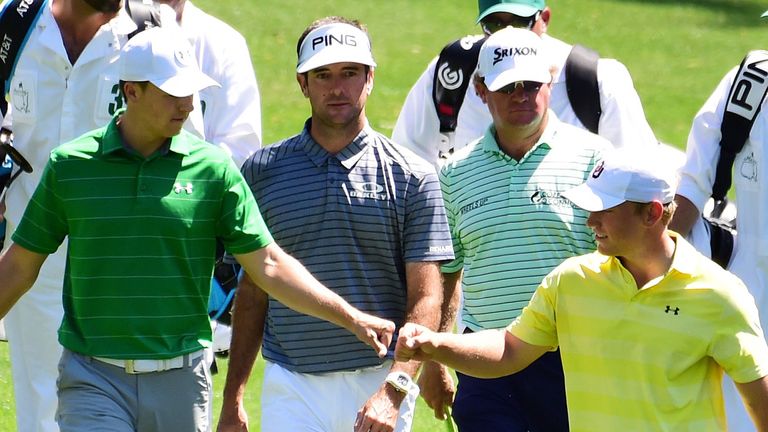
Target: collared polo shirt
x=141, y=240
x=650, y=357
x=509, y=222
x=353, y=219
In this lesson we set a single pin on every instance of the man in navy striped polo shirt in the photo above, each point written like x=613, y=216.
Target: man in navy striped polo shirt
x=366, y=217
x=142, y=204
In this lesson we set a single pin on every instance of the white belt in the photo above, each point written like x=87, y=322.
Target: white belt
x=145, y=366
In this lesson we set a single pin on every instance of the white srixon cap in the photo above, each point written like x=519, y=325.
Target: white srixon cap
x=511, y=55
x=334, y=43
x=625, y=175
x=163, y=57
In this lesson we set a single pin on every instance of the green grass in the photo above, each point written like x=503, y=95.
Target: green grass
x=676, y=50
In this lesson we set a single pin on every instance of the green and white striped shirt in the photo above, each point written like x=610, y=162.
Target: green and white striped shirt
x=509, y=223
x=141, y=240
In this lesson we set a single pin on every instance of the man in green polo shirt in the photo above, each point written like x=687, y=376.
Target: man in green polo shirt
x=510, y=225
x=142, y=204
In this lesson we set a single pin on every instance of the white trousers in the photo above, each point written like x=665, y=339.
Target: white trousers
x=31, y=327
x=325, y=402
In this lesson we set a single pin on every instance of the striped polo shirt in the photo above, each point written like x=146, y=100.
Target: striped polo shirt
x=354, y=220
x=647, y=358
x=141, y=240
x=509, y=223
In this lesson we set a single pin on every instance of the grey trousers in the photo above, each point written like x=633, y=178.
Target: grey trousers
x=95, y=396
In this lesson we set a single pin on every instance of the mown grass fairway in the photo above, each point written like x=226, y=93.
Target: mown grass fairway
x=676, y=50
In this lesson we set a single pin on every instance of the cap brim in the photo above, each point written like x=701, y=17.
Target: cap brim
x=495, y=82
x=586, y=198
x=331, y=56
x=514, y=9
x=185, y=84
x=765, y=14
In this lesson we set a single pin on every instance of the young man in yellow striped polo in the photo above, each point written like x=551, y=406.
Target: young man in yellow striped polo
x=645, y=325
x=142, y=204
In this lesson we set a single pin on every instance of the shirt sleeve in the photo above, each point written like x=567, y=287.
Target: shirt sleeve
x=537, y=324
x=417, y=127
x=703, y=149
x=450, y=209
x=426, y=228
x=739, y=346
x=43, y=226
x=241, y=227
x=623, y=120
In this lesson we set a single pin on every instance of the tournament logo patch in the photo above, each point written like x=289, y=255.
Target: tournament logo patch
x=20, y=99
x=748, y=169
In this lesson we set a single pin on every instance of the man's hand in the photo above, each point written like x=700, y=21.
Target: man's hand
x=437, y=389
x=233, y=421
x=415, y=342
x=380, y=412
x=374, y=331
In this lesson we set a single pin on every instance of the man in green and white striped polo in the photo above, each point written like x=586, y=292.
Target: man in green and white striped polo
x=142, y=204
x=511, y=225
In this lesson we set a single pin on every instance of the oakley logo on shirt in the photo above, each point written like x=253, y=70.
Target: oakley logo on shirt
x=367, y=190
x=675, y=310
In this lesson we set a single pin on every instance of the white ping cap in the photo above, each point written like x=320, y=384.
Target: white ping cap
x=334, y=43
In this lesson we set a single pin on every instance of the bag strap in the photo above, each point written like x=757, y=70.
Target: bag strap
x=16, y=20
x=453, y=75
x=581, y=85
x=744, y=102
x=144, y=14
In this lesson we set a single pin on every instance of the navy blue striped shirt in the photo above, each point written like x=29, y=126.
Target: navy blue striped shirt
x=353, y=220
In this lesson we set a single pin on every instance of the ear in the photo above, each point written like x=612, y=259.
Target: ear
x=131, y=91
x=654, y=212
x=369, y=85
x=546, y=15
x=481, y=90
x=302, y=80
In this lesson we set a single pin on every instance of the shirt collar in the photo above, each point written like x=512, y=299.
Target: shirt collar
x=348, y=156
x=113, y=140
x=548, y=138
x=681, y=261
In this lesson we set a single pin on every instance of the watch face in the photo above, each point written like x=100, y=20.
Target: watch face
x=402, y=380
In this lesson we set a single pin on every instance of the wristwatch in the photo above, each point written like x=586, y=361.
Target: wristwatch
x=401, y=381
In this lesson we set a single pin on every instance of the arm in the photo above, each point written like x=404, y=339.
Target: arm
x=435, y=381
x=485, y=354
x=623, y=120
x=424, y=298
x=19, y=267
x=417, y=127
x=285, y=279
x=232, y=114
x=250, y=313
x=685, y=216
x=755, y=396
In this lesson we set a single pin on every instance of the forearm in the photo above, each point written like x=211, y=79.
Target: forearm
x=451, y=301
x=18, y=271
x=755, y=397
x=286, y=280
x=248, y=318
x=485, y=354
x=685, y=216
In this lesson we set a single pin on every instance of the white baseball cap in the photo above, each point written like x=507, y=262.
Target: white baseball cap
x=163, y=57
x=625, y=175
x=511, y=55
x=334, y=43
